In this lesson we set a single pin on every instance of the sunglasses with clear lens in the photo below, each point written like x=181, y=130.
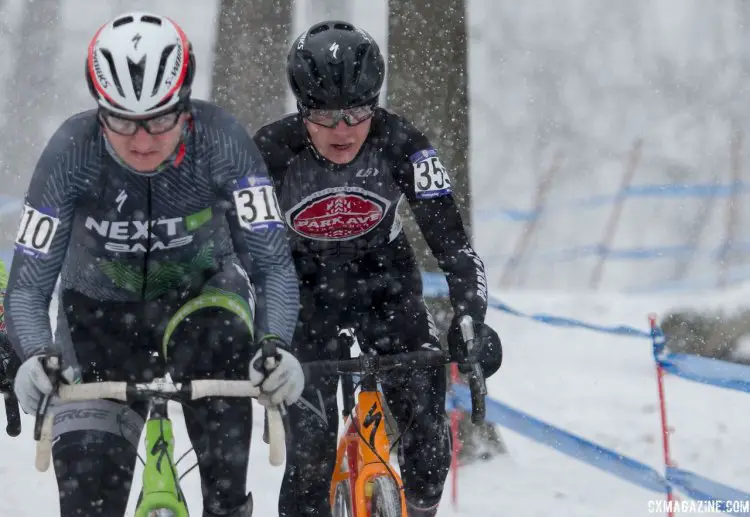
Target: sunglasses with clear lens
x=128, y=126
x=331, y=118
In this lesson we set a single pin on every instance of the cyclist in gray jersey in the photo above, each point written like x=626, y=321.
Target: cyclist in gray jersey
x=158, y=216
x=341, y=167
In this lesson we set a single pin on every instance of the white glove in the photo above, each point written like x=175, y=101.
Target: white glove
x=282, y=384
x=32, y=383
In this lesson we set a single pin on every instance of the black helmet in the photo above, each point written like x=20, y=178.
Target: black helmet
x=335, y=65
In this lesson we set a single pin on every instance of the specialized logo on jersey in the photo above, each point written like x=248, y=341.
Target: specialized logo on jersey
x=430, y=177
x=339, y=213
x=36, y=231
x=121, y=198
x=141, y=236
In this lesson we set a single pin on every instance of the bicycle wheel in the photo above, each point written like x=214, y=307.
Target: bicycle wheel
x=386, y=498
x=342, y=500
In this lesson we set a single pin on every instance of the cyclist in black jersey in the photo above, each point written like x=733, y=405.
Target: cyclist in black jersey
x=158, y=216
x=341, y=167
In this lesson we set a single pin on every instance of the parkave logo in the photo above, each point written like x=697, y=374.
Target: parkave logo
x=340, y=213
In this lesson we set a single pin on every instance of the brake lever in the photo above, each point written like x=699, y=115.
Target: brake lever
x=12, y=415
x=477, y=384
x=51, y=365
x=271, y=357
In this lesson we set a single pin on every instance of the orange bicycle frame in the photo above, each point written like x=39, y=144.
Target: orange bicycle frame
x=364, y=461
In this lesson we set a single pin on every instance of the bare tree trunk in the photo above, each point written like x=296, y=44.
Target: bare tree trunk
x=249, y=77
x=329, y=10
x=29, y=97
x=428, y=84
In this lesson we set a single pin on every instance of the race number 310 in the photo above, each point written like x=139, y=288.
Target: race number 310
x=257, y=207
x=36, y=231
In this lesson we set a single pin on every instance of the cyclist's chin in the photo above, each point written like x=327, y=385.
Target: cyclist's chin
x=147, y=161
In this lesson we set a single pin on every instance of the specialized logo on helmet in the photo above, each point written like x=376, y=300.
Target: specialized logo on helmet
x=340, y=213
x=98, y=70
x=334, y=48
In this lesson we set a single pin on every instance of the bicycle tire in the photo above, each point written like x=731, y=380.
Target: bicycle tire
x=386, y=498
x=342, y=500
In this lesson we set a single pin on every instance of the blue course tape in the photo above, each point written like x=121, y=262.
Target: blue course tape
x=623, y=254
x=715, y=372
x=436, y=285
x=565, y=442
x=699, y=369
x=696, y=190
x=702, y=489
x=628, y=469
x=557, y=321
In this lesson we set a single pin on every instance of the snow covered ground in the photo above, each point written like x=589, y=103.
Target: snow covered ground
x=600, y=387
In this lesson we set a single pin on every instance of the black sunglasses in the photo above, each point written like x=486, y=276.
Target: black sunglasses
x=331, y=118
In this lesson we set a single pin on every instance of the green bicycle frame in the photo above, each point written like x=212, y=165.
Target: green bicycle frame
x=161, y=486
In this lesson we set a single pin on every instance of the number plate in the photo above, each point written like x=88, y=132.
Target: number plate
x=257, y=206
x=36, y=231
x=430, y=177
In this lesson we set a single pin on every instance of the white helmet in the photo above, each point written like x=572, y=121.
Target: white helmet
x=140, y=64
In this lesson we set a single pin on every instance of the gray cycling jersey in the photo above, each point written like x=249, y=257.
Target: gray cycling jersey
x=113, y=234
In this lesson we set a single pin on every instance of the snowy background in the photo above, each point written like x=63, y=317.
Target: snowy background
x=572, y=85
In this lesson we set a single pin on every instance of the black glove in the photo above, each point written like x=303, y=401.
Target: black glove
x=488, y=349
x=9, y=364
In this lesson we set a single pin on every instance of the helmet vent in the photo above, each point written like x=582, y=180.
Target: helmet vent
x=151, y=19
x=162, y=66
x=111, y=63
x=122, y=21
x=136, y=72
x=317, y=30
x=343, y=26
x=359, y=58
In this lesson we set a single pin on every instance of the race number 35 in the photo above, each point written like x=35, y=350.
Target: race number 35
x=430, y=177
x=257, y=207
x=36, y=231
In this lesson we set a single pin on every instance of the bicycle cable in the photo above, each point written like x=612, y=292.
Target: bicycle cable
x=140, y=458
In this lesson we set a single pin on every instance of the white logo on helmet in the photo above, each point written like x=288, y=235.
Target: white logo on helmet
x=334, y=48
x=99, y=72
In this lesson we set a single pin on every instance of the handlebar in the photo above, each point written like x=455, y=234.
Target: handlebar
x=373, y=364
x=370, y=364
x=191, y=390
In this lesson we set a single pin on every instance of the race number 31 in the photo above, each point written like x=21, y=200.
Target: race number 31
x=36, y=231
x=256, y=205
